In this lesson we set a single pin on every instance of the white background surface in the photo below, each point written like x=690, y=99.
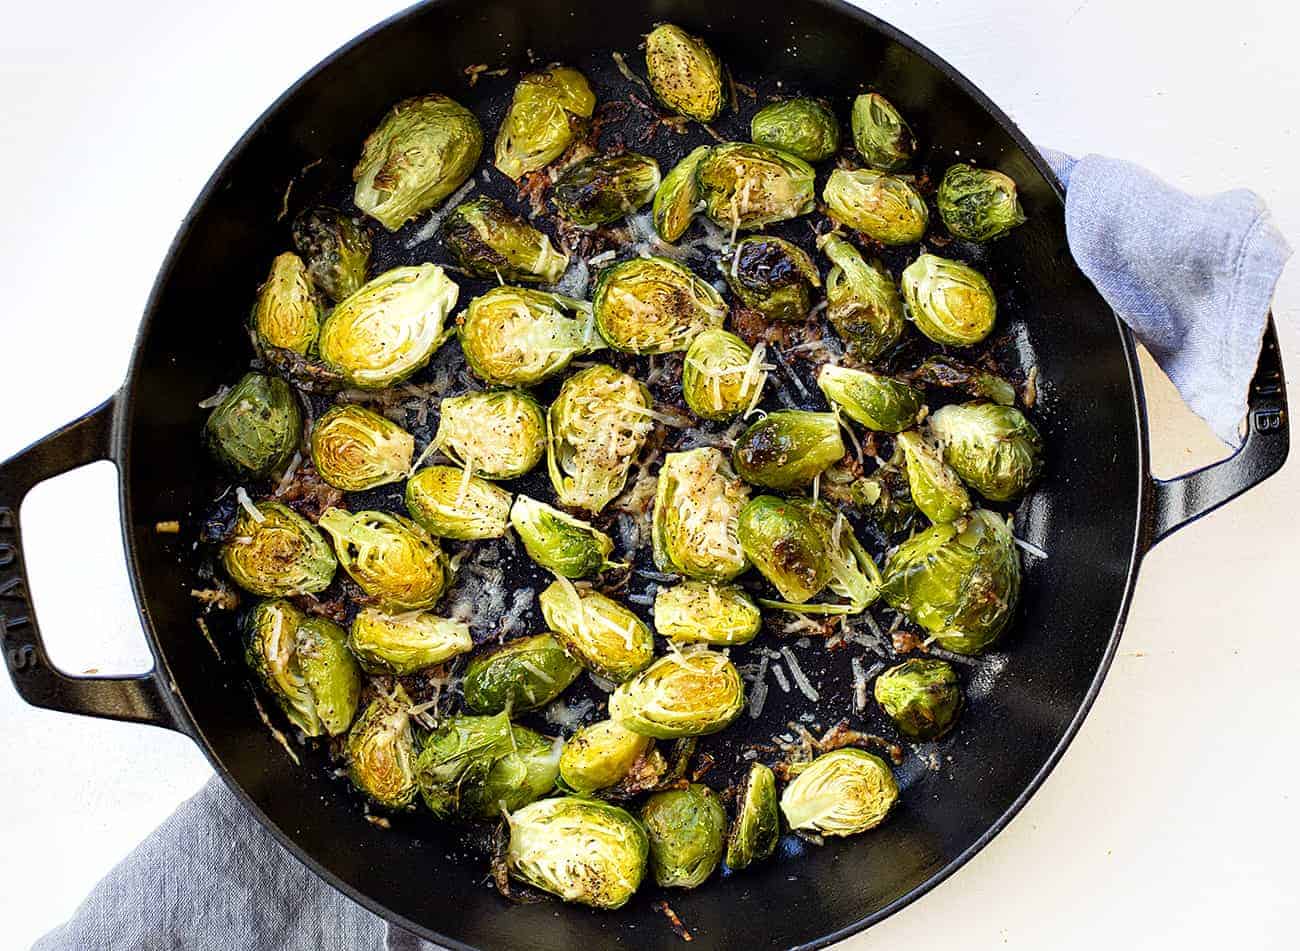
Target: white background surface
x=1171, y=822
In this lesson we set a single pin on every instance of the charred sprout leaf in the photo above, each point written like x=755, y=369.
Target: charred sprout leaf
x=452, y=503
x=862, y=303
x=880, y=134
x=654, y=305
x=842, y=792
x=805, y=128
x=680, y=694
x=922, y=697
x=513, y=336
x=600, y=755
x=950, y=302
x=488, y=240
x=355, y=449
x=950, y=373
x=394, y=560
x=933, y=486
x=546, y=113
x=286, y=315
x=697, y=502
x=496, y=435
x=686, y=829
x=678, y=196
x=605, y=188
x=336, y=249
x=520, y=675
x=559, y=542
x=722, y=376
x=254, y=430
x=884, y=207
x=478, y=767
x=600, y=633
x=684, y=73
x=380, y=752
x=746, y=186
x=886, y=495
x=993, y=448
x=787, y=449
x=696, y=612
x=277, y=553
x=978, y=204
x=772, y=276
x=877, y=402
x=757, y=826
x=405, y=643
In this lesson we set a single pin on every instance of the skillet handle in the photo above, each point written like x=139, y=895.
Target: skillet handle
x=1268, y=438
x=139, y=699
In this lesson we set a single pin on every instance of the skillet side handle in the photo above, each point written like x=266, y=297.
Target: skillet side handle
x=138, y=699
x=1268, y=439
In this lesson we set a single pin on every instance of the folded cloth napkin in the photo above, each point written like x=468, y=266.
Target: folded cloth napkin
x=1192, y=276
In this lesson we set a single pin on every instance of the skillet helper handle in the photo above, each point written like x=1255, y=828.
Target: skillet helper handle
x=137, y=698
x=1268, y=439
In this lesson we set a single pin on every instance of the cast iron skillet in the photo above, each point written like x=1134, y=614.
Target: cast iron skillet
x=1097, y=512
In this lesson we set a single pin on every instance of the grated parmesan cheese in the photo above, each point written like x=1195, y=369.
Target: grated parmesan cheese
x=800, y=680
x=247, y=505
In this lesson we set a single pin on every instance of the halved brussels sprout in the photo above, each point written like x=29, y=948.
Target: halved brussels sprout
x=678, y=196
x=922, y=697
x=582, y=850
x=757, y=826
x=862, y=302
x=993, y=448
x=697, y=502
x=932, y=484
x=880, y=134
x=747, y=186
x=686, y=829
x=877, y=402
x=696, y=612
x=684, y=73
x=380, y=751
x=546, y=114
x=331, y=672
x=959, y=581
x=355, y=449
x=680, y=694
x=950, y=302
x=654, y=305
x=978, y=204
x=394, y=560
x=559, y=542
x=842, y=792
x=286, y=315
x=805, y=128
x=600, y=755
x=520, y=675
x=772, y=276
x=496, y=435
x=513, y=336
x=405, y=643
x=488, y=240
x=389, y=329
x=722, y=376
x=277, y=553
x=254, y=430
x=600, y=633
x=451, y=503
x=951, y=373
x=423, y=150
x=881, y=206
x=604, y=188
x=787, y=449
x=336, y=249
x=479, y=767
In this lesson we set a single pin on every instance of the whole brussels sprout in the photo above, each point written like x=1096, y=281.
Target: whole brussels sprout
x=772, y=276
x=600, y=755
x=546, y=114
x=422, y=151
x=978, y=204
x=355, y=449
x=254, y=430
x=757, y=826
x=881, y=206
x=277, y=553
x=581, y=850
x=513, y=336
x=993, y=448
x=678, y=196
x=559, y=542
x=877, y=402
x=336, y=249
x=451, y=503
x=600, y=633
x=604, y=188
x=686, y=829
x=787, y=449
x=488, y=240
x=520, y=675
x=697, y=502
x=405, y=643
x=696, y=612
x=654, y=305
x=380, y=751
x=950, y=302
x=746, y=186
x=685, y=74
x=959, y=581
x=722, y=376
x=921, y=696
x=478, y=767
x=805, y=128
x=389, y=329
x=880, y=134
x=680, y=694
x=394, y=560
x=950, y=373
x=933, y=486
x=842, y=792
x=286, y=315
x=862, y=303
x=496, y=435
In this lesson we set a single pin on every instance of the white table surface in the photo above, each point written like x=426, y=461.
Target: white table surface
x=1171, y=822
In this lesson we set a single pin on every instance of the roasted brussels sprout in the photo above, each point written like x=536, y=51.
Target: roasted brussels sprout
x=696, y=612
x=686, y=829
x=746, y=186
x=387, y=330
x=805, y=128
x=772, y=276
x=546, y=114
x=787, y=449
x=978, y=204
x=951, y=373
x=355, y=449
x=424, y=149
x=877, y=402
x=933, y=486
x=336, y=249
x=394, y=560
x=380, y=751
x=600, y=755
x=842, y=792
x=451, y=503
x=254, y=430
x=286, y=315
x=405, y=643
x=881, y=206
x=488, y=240
x=922, y=697
x=513, y=336
x=757, y=826
x=680, y=694
x=886, y=496
x=604, y=188
x=479, y=767
x=950, y=302
x=600, y=633
x=697, y=502
x=881, y=136
x=993, y=448
x=959, y=581
x=722, y=376
x=558, y=541
x=684, y=73
x=862, y=302
x=582, y=850
x=497, y=435
x=520, y=675
x=332, y=674
x=678, y=196
x=654, y=305
x=277, y=553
